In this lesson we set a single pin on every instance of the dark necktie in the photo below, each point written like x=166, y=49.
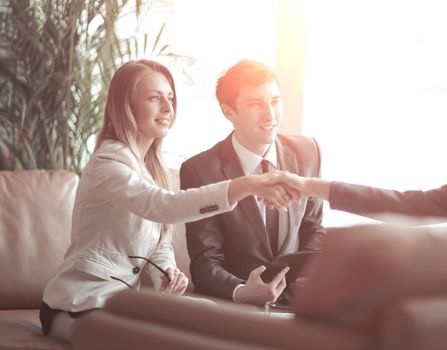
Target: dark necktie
x=271, y=215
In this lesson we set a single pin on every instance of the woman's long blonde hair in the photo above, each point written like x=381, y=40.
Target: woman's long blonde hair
x=120, y=123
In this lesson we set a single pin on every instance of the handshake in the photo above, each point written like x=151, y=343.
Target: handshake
x=278, y=188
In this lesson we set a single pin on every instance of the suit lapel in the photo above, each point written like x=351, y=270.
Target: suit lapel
x=287, y=161
x=232, y=169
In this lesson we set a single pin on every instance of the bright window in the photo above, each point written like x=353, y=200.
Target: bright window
x=368, y=79
x=375, y=92
x=216, y=34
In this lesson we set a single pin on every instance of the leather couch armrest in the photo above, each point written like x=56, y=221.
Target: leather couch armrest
x=415, y=324
x=364, y=269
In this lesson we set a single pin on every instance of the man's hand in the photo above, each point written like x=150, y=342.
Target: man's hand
x=272, y=187
x=307, y=186
x=257, y=292
x=276, y=191
x=178, y=283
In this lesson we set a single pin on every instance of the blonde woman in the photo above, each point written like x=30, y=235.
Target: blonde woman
x=125, y=203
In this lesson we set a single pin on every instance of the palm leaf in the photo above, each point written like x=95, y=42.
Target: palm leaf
x=56, y=62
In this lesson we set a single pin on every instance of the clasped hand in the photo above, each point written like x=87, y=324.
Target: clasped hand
x=177, y=282
x=279, y=189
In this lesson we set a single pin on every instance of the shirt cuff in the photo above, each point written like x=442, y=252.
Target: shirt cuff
x=236, y=289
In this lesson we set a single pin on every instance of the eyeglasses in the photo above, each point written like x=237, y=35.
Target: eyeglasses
x=148, y=261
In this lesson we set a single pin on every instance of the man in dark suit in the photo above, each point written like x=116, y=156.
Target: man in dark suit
x=229, y=252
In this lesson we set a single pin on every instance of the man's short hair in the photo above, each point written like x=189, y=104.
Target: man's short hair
x=244, y=73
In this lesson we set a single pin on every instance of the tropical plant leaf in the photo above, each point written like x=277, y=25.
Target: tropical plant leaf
x=158, y=38
x=56, y=60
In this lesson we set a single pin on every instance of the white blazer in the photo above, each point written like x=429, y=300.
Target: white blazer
x=117, y=213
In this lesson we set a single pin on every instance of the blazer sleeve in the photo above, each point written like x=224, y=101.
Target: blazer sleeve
x=116, y=180
x=367, y=201
x=205, y=246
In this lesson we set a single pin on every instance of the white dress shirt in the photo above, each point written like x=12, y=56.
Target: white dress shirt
x=251, y=164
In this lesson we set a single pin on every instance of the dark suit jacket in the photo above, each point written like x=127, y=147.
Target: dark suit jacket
x=368, y=201
x=225, y=248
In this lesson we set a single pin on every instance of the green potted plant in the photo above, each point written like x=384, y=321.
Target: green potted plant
x=56, y=59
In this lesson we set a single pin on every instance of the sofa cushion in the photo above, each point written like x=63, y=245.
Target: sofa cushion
x=179, y=240
x=35, y=228
x=181, y=253
x=363, y=270
x=20, y=329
